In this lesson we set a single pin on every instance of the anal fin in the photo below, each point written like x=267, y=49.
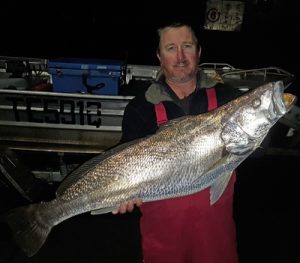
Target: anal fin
x=219, y=186
x=104, y=210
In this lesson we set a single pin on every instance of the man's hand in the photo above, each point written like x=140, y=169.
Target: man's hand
x=128, y=207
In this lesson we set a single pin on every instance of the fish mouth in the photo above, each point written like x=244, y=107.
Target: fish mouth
x=283, y=102
x=289, y=100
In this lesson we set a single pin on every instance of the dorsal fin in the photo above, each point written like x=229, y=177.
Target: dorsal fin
x=82, y=170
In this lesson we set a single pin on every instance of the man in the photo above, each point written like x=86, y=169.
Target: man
x=184, y=229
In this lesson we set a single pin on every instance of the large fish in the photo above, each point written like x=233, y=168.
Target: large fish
x=185, y=156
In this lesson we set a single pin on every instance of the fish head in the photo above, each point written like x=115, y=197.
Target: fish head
x=252, y=115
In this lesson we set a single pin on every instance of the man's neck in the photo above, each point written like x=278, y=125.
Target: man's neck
x=183, y=90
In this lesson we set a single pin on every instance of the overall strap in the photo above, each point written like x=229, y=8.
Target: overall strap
x=211, y=99
x=161, y=114
x=160, y=111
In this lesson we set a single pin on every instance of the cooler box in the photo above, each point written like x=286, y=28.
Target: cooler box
x=90, y=76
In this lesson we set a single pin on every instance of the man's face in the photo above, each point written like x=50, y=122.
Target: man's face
x=179, y=56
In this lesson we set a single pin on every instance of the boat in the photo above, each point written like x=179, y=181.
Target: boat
x=50, y=133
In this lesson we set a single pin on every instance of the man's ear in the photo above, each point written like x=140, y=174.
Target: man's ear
x=199, y=52
x=158, y=56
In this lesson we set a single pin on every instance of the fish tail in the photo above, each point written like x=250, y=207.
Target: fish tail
x=28, y=227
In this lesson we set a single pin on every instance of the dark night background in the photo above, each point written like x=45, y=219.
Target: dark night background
x=127, y=31
x=267, y=210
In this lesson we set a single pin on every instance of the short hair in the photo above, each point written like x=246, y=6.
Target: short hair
x=176, y=25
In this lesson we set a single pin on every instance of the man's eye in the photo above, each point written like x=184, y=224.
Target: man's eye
x=188, y=46
x=171, y=48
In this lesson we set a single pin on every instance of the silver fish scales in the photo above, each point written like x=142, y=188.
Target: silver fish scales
x=185, y=156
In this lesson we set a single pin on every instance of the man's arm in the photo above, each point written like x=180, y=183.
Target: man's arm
x=134, y=126
x=135, y=123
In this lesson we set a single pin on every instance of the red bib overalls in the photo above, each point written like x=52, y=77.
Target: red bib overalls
x=188, y=229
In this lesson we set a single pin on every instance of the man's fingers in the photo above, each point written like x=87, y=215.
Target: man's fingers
x=130, y=206
x=123, y=208
x=127, y=207
x=138, y=202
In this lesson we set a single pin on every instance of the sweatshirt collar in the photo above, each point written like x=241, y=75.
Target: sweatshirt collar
x=159, y=91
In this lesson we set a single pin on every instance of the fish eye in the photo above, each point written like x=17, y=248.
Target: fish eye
x=256, y=103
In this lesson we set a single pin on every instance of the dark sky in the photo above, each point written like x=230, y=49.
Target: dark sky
x=128, y=31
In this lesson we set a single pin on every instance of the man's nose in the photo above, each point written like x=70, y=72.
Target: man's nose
x=180, y=54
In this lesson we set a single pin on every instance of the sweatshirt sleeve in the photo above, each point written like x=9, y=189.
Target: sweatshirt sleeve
x=138, y=121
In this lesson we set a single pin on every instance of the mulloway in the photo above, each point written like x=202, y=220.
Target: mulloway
x=185, y=156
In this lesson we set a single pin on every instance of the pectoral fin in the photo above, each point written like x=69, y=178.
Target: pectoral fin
x=219, y=186
x=236, y=141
